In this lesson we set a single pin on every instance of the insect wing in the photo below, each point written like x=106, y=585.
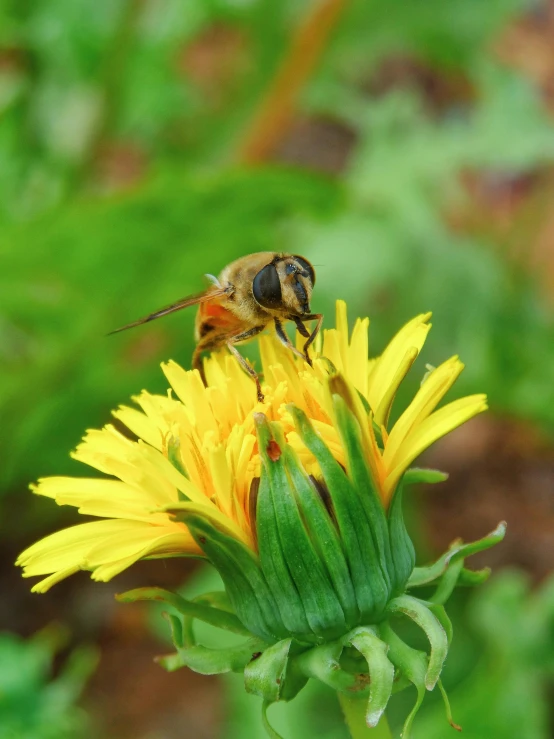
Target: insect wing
x=203, y=297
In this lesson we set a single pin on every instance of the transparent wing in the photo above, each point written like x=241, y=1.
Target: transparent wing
x=203, y=297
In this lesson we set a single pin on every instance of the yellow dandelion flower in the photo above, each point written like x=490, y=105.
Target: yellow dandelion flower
x=196, y=449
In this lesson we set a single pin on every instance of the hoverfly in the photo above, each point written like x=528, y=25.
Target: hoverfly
x=250, y=294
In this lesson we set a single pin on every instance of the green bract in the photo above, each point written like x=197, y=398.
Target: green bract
x=332, y=568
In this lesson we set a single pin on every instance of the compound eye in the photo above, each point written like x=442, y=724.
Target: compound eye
x=307, y=267
x=266, y=287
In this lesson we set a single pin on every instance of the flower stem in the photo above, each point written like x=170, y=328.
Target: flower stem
x=277, y=108
x=354, y=713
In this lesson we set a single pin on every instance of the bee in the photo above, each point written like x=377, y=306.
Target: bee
x=249, y=295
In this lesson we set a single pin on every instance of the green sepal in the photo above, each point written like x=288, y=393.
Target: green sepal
x=323, y=663
x=420, y=613
x=208, y=661
x=424, y=575
x=442, y=617
x=361, y=555
x=208, y=614
x=324, y=536
x=381, y=671
x=269, y=674
x=322, y=607
x=244, y=581
x=402, y=548
x=174, y=457
x=447, y=582
x=413, y=665
x=352, y=661
x=473, y=578
x=447, y=708
x=274, y=566
x=363, y=482
x=217, y=599
x=401, y=682
x=265, y=675
x=417, y=475
x=177, y=632
x=457, y=575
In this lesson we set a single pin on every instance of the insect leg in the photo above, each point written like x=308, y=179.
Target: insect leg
x=302, y=330
x=247, y=367
x=284, y=339
x=247, y=334
x=312, y=317
x=207, y=343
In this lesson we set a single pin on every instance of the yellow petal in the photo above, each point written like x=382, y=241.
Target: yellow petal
x=383, y=410
x=221, y=476
x=410, y=336
x=67, y=548
x=133, y=469
x=437, y=384
x=106, y=547
x=162, y=469
x=141, y=425
x=74, y=490
x=332, y=349
x=341, y=330
x=192, y=393
x=43, y=586
x=139, y=543
x=438, y=424
x=218, y=519
x=357, y=356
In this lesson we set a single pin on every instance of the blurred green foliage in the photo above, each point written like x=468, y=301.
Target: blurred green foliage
x=68, y=87
x=506, y=693
x=34, y=704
